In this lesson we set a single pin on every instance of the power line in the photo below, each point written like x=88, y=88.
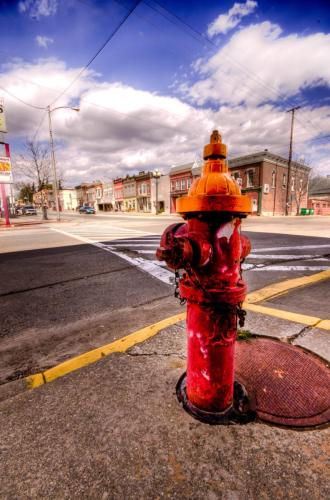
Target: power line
x=107, y=108
x=136, y=3
x=256, y=78
x=21, y=100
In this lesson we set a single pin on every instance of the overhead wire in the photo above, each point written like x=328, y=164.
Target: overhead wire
x=130, y=11
x=21, y=100
x=256, y=78
x=104, y=44
x=107, y=108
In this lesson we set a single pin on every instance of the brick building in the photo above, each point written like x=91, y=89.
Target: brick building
x=143, y=191
x=319, y=201
x=262, y=176
x=118, y=193
x=181, y=177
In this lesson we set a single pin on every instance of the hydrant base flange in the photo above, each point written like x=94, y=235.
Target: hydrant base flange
x=239, y=413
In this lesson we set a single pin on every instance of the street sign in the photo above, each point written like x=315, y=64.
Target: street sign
x=5, y=170
x=3, y=127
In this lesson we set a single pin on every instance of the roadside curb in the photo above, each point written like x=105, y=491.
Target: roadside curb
x=23, y=225
x=12, y=389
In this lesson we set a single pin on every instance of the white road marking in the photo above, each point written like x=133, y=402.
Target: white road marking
x=287, y=257
x=134, y=245
x=149, y=240
x=147, y=266
x=157, y=269
x=261, y=267
x=298, y=247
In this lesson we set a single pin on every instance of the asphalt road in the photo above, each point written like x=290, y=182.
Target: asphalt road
x=69, y=287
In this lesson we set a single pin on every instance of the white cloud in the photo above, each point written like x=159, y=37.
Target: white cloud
x=121, y=129
x=38, y=8
x=43, y=41
x=260, y=64
x=226, y=22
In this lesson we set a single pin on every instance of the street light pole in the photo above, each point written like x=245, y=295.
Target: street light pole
x=157, y=174
x=55, y=189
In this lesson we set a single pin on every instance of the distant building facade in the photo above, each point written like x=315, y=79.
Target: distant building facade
x=180, y=177
x=143, y=191
x=106, y=202
x=261, y=176
x=118, y=194
x=68, y=199
x=129, y=194
x=319, y=201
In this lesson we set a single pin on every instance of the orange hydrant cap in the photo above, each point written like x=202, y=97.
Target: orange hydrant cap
x=215, y=190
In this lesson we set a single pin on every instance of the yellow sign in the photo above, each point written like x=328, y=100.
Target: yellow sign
x=5, y=169
x=3, y=127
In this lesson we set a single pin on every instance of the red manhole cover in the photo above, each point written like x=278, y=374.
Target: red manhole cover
x=289, y=386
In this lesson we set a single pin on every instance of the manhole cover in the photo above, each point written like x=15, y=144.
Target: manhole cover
x=289, y=386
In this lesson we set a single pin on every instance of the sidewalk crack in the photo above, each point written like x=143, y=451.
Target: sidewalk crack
x=303, y=332
x=150, y=354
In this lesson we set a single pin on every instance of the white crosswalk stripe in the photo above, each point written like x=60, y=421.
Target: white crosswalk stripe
x=139, y=248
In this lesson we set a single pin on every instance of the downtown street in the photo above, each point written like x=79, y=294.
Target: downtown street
x=86, y=298
x=72, y=286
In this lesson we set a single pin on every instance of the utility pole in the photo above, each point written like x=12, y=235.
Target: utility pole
x=288, y=186
x=55, y=190
x=51, y=142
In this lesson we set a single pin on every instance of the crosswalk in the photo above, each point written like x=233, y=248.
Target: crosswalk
x=139, y=247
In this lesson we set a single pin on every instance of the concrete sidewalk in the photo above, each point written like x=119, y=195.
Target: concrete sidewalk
x=114, y=429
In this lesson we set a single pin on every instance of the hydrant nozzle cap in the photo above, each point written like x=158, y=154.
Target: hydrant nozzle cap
x=215, y=149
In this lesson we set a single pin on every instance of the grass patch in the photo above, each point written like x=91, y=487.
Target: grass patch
x=244, y=335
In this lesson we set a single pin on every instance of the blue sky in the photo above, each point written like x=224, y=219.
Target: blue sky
x=172, y=72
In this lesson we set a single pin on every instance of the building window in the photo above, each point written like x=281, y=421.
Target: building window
x=273, y=178
x=293, y=183
x=284, y=180
x=188, y=183
x=236, y=175
x=177, y=185
x=249, y=178
x=183, y=184
x=172, y=185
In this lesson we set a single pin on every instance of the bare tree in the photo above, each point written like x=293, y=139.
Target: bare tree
x=318, y=182
x=34, y=164
x=300, y=190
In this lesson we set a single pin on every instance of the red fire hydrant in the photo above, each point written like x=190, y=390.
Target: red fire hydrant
x=208, y=249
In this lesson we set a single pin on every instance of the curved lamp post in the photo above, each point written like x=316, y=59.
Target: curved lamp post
x=50, y=111
x=156, y=174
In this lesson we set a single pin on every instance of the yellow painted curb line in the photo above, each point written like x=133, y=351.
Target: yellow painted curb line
x=89, y=357
x=139, y=336
x=277, y=289
x=287, y=315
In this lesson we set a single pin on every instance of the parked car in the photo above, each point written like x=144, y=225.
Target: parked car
x=86, y=210
x=29, y=210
